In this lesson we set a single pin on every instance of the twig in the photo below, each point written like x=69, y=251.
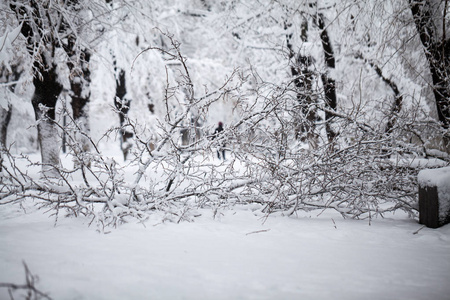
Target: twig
x=417, y=231
x=334, y=223
x=258, y=231
x=29, y=286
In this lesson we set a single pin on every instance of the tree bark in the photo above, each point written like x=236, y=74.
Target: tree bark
x=80, y=94
x=36, y=30
x=398, y=99
x=303, y=80
x=329, y=85
x=122, y=103
x=5, y=117
x=7, y=76
x=47, y=90
x=437, y=52
x=80, y=78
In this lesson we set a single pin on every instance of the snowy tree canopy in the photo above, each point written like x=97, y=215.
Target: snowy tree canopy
x=326, y=104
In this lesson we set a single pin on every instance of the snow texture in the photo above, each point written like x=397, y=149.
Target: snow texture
x=435, y=177
x=239, y=254
x=6, y=44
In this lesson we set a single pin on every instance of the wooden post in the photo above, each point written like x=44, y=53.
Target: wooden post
x=428, y=206
x=434, y=197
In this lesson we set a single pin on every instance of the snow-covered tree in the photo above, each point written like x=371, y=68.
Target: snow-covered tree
x=42, y=43
x=324, y=106
x=55, y=32
x=432, y=23
x=10, y=72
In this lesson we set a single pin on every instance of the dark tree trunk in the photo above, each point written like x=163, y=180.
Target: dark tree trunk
x=329, y=85
x=47, y=90
x=10, y=77
x=303, y=80
x=5, y=117
x=398, y=99
x=80, y=79
x=437, y=52
x=80, y=94
x=122, y=103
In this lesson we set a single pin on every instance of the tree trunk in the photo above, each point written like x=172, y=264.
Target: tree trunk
x=437, y=51
x=305, y=127
x=10, y=77
x=122, y=103
x=41, y=46
x=5, y=117
x=47, y=90
x=329, y=84
x=398, y=99
x=80, y=94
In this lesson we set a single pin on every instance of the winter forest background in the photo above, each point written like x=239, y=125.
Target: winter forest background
x=108, y=108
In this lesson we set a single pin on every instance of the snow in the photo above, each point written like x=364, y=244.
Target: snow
x=239, y=254
x=435, y=177
x=6, y=41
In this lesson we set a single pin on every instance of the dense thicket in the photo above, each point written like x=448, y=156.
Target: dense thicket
x=326, y=104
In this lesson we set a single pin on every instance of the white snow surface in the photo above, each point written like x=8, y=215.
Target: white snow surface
x=435, y=177
x=239, y=254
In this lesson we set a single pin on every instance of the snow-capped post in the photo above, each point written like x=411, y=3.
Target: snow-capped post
x=434, y=197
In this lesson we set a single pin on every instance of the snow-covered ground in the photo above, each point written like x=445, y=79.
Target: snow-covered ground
x=239, y=254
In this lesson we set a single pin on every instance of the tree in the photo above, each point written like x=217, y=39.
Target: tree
x=122, y=104
x=80, y=79
x=361, y=95
x=431, y=23
x=9, y=77
x=38, y=29
x=53, y=31
x=329, y=84
x=303, y=81
x=79, y=57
